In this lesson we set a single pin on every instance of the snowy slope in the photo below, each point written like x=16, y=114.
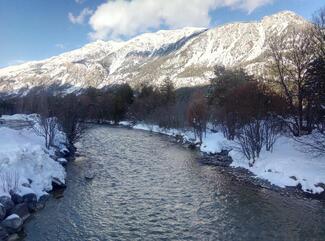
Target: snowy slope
x=187, y=56
x=24, y=158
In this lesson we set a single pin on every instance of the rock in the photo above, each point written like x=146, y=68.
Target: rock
x=57, y=184
x=89, y=175
x=58, y=193
x=31, y=200
x=12, y=223
x=3, y=212
x=65, y=152
x=7, y=203
x=224, y=152
x=41, y=201
x=3, y=234
x=322, y=185
x=21, y=210
x=26, y=185
x=44, y=198
x=62, y=161
x=294, y=178
x=218, y=160
x=192, y=146
x=16, y=197
x=179, y=138
x=13, y=237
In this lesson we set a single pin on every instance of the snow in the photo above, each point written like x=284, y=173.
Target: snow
x=286, y=166
x=12, y=216
x=18, y=117
x=23, y=157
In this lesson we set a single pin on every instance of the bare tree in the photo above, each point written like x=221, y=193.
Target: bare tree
x=319, y=30
x=250, y=139
x=314, y=143
x=256, y=135
x=47, y=128
x=292, y=53
x=70, y=118
x=198, y=114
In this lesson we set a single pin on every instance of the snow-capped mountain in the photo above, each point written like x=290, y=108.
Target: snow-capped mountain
x=187, y=56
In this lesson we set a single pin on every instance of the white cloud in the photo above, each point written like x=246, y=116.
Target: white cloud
x=124, y=18
x=80, y=19
x=60, y=46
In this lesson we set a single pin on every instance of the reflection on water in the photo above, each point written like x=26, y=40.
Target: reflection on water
x=146, y=188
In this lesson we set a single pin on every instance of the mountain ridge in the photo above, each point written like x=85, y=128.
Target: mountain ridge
x=185, y=55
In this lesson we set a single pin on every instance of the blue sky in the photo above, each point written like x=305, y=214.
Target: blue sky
x=37, y=29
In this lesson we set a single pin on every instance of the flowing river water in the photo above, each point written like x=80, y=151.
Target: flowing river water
x=148, y=188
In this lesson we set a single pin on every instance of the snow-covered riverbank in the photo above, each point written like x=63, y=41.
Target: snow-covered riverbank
x=286, y=166
x=28, y=170
x=24, y=158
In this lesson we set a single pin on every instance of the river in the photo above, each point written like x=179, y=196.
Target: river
x=148, y=188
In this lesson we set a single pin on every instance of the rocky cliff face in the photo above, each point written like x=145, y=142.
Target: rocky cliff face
x=187, y=56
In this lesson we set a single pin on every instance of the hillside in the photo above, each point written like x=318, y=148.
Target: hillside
x=187, y=56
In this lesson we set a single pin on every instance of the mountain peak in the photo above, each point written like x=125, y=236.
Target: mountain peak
x=285, y=16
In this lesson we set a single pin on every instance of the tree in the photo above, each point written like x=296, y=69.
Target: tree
x=315, y=89
x=318, y=31
x=46, y=124
x=168, y=92
x=225, y=81
x=221, y=100
x=292, y=54
x=197, y=114
x=46, y=127
x=123, y=98
x=70, y=118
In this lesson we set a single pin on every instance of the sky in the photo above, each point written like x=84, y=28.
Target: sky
x=38, y=29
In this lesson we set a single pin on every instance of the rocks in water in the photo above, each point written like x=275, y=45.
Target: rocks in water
x=3, y=212
x=16, y=197
x=179, y=138
x=65, y=152
x=217, y=160
x=41, y=201
x=89, y=175
x=31, y=200
x=58, y=193
x=221, y=158
x=44, y=198
x=12, y=223
x=3, y=234
x=224, y=153
x=322, y=194
x=62, y=161
x=57, y=184
x=193, y=146
x=21, y=210
x=13, y=237
x=7, y=203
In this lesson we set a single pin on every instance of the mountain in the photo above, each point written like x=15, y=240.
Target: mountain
x=187, y=56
